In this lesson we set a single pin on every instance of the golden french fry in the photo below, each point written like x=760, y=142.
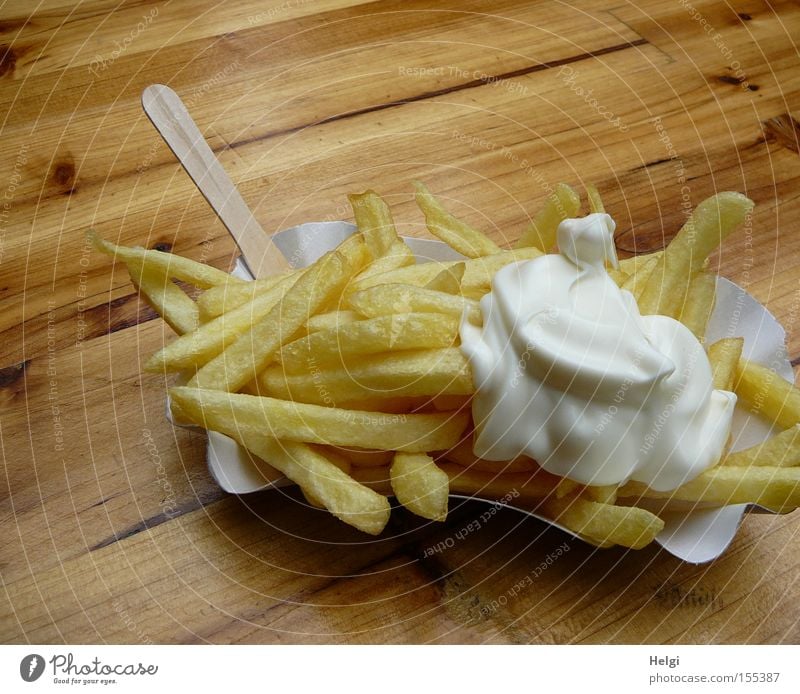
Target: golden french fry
x=724, y=356
x=339, y=346
x=514, y=487
x=606, y=494
x=403, y=374
x=566, y=487
x=331, y=320
x=254, y=350
x=639, y=263
x=618, y=276
x=210, y=339
x=765, y=393
x=448, y=280
x=455, y=233
x=323, y=482
x=173, y=266
x=420, y=485
x=461, y=454
x=360, y=457
x=374, y=221
x=710, y=223
x=627, y=526
x=165, y=297
x=593, y=196
x=399, y=255
x=226, y=297
x=561, y=204
x=775, y=488
x=781, y=450
x=387, y=299
x=699, y=304
x=295, y=421
x=333, y=457
x=637, y=280
x=476, y=281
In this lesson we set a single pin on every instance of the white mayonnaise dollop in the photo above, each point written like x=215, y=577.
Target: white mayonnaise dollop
x=568, y=372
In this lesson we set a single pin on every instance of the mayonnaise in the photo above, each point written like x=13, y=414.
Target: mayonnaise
x=568, y=372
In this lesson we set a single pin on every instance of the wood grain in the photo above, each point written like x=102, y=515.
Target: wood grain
x=111, y=529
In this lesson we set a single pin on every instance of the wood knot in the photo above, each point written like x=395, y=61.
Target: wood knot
x=8, y=60
x=64, y=175
x=10, y=374
x=163, y=246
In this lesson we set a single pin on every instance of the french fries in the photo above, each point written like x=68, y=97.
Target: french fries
x=462, y=237
x=765, y=393
x=342, y=344
x=419, y=485
x=710, y=223
x=346, y=376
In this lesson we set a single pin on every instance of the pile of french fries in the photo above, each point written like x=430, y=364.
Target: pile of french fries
x=346, y=376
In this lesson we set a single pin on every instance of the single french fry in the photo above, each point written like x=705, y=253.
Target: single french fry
x=561, y=204
x=173, y=266
x=333, y=457
x=165, y=297
x=637, y=280
x=781, y=450
x=361, y=457
x=515, y=487
x=255, y=349
x=638, y=263
x=627, y=526
x=387, y=299
x=295, y=421
x=765, y=393
x=455, y=233
x=342, y=345
x=322, y=481
x=403, y=374
x=462, y=454
x=724, y=356
x=226, y=297
x=374, y=221
x=448, y=280
x=210, y=339
x=606, y=494
x=699, y=304
x=399, y=255
x=775, y=488
x=476, y=281
x=710, y=223
x=593, y=196
x=566, y=487
x=618, y=276
x=420, y=485
x=331, y=320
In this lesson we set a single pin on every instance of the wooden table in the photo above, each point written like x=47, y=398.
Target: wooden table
x=111, y=529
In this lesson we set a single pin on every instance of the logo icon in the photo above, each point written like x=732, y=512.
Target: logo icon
x=31, y=667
